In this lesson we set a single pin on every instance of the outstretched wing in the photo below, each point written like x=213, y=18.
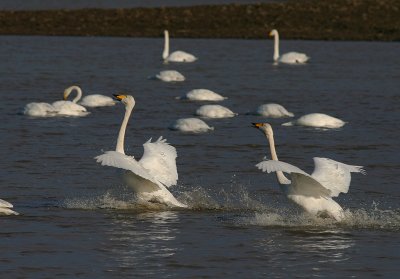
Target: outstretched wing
x=274, y=166
x=5, y=204
x=122, y=161
x=333, y=175
x=159, y=159
x=301, y=182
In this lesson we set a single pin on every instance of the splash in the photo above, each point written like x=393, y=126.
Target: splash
x=364, y=218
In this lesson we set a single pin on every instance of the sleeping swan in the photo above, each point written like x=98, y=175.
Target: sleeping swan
x=317, y=120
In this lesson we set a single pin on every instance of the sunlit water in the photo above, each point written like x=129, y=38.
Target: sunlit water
x=78, y=220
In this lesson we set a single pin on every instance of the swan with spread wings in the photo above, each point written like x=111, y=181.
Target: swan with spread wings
x=312, y=192
x=153, y=173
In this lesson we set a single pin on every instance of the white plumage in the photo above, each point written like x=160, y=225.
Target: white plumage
x=214, y=111
x=273, y=110
x=5, y=208
x=153, y=173
x=176, y=56
x=203, y=95
x=40, y=110
x=70, y=108
x=312, y=192
x=290, y=57
x=170, y=76
x=192, y=125
x=317, y=120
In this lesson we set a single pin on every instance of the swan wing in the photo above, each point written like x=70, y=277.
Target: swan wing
x=97, y=100
x=334, y=175
x=294, y=57
x=122, y=161
x=274, y=166
x=181, y=56
x=5, y=204
x=159, y=159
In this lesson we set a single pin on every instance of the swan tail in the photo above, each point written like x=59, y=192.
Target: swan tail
x=290, y=123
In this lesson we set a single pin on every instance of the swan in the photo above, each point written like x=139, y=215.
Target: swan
x=94, y=100
x=312, y=192
x=153, y=173
x=202, y=95
x=176, y=56
x=214, y=111
x=290, y=57
x=193, y=125
x=40, y=110
x=5, y=208
x=170, y=76
x=68, y=108
x=317, y=120
x=273, y=110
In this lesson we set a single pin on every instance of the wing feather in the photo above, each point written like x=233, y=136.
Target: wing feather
x=334, y=175
x=159, y=159
x=274, y=166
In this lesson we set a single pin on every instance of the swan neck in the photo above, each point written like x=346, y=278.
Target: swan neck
x=276, y=46
x=279, y=174
x=166, y=46
x=122, y=130
x=78, y=94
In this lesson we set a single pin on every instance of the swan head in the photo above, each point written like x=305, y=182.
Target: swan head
x=68, y=91
x=127, y=100
x=266, y=128
x=273, y=33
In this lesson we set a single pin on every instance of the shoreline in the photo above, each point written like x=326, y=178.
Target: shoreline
x=348, y=20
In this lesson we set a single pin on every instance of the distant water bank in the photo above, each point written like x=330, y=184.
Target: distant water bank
x=309, y=19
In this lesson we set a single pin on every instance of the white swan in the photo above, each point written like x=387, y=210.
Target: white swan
x=170, y=76
x=93, y=100
x=290, y=57
x=176, y=56
x=202, y=95
x=273, y=110
x=312, y=192
x=40, y=110
x=193, y=125
x=317, y=120
x=214, y=111
x=68, y=108
x=153, y=173
x=5, y=208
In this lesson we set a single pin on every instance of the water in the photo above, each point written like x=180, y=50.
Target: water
x=78, y=220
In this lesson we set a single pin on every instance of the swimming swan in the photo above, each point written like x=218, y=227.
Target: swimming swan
x=176, y=56
x=192, y=125
x=214, y=111
x=290, y=57
x=170, y=76
x=202, y=95
x=93, y=100
x=312, y=192
x=273, y=110
x=153, y=173
x=68, y=108
x=317, y=120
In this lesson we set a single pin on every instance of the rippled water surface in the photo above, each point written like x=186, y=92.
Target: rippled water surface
x=78, y=220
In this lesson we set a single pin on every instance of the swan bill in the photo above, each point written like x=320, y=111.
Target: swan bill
x=119, y=97
x=257, y=125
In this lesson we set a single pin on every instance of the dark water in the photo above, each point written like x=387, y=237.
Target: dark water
x=114, y=4
x=79, y=221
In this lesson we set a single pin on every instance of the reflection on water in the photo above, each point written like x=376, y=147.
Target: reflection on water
x=141, y=242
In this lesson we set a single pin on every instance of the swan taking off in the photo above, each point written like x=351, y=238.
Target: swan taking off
x=170, y=76
x=94, y=100
x=5, y=208
x=68, y=108
x=312, y=192
x=214, y=111
x=317, y=120
x=176, y=56
x=273, y=110
x=202, y=95
x=190, y=125
x=153, y=173
x=290, y=57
